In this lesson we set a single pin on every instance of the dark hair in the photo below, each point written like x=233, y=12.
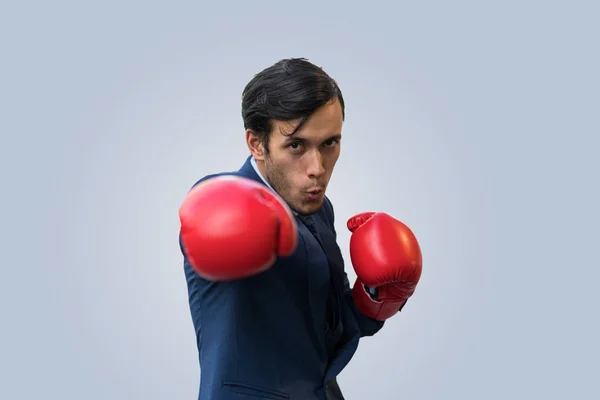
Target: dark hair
x=290, y=89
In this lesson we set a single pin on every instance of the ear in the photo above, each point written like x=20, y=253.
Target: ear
x=255, y=146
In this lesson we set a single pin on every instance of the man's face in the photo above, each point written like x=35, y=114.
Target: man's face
x=299, y=166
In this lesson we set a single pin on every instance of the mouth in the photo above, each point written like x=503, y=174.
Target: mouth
x=314, y=193
x=318, y=189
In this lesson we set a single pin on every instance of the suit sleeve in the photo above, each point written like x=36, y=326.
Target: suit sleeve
x=368, y=326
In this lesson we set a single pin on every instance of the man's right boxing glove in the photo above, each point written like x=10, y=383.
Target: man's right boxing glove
x=233, y=227
x=386, y=257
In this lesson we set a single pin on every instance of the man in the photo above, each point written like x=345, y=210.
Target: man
x=273, y=311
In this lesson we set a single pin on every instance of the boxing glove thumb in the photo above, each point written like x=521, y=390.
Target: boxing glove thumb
x=356, y=221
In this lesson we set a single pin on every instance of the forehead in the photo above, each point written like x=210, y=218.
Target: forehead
x=326, y=121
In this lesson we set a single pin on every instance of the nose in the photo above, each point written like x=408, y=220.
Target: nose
x=316, y=166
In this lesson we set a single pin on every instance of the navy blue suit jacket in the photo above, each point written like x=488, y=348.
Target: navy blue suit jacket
x=266, y=336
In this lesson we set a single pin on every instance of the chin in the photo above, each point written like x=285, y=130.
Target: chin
x=310, y=208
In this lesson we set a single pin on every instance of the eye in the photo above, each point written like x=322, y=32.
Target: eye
x=295, y=147
x=331, y=142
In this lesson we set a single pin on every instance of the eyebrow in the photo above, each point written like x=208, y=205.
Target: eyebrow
x=295, y=139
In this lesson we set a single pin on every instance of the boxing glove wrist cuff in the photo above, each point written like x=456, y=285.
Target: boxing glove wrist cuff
x=377, y=310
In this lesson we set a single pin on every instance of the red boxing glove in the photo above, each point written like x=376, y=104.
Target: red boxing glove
x=386, y=257
x=234, y=227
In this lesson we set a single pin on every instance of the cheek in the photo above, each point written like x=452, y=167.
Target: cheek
x=331, y=160
x=288, y=175
x=294, y=180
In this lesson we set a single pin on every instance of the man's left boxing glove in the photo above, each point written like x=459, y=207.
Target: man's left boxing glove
x=234, y=227
x=386, y=257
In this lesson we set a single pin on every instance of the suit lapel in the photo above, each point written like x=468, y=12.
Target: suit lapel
x=334, y=257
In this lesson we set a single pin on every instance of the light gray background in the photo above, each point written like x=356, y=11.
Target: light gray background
x=473, y=122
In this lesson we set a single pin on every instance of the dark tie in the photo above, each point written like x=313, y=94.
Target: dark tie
x=327, y=242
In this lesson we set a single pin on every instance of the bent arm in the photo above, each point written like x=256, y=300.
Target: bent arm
x=367, y=325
